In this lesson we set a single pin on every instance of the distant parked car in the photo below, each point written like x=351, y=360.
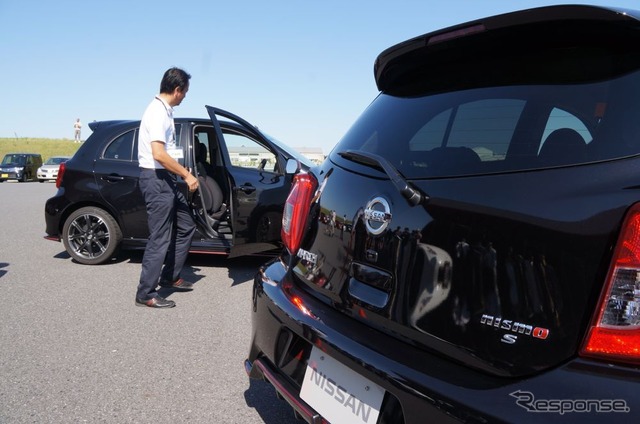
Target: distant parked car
x=20, y=166
x=238, y=208
x=491, y=271
x=49, y=170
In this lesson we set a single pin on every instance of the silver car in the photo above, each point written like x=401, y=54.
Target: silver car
x=49, y=170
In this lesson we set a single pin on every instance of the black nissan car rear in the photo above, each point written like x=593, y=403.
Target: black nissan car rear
x=470, y=250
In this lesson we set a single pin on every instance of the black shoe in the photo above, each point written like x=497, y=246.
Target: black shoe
x=179, y=284
x=156, y=302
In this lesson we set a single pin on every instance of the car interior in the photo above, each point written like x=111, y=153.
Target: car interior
x=210, y=197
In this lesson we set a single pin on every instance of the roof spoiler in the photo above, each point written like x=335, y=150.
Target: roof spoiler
x=391, y=64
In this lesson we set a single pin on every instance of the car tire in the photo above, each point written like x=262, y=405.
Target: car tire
x=268, y=227
x=91, y=236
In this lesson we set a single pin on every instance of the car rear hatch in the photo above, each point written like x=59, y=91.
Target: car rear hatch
x=474, y=208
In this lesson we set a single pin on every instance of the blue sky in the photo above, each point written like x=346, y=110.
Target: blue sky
x=300, y=70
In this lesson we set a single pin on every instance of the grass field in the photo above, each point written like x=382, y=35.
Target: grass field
x=47, y=147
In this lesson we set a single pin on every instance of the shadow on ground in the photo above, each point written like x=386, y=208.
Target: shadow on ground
x=261, y=396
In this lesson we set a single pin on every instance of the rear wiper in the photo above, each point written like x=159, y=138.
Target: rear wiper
x=413, y=195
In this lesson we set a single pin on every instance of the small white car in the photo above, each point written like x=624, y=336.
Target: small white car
x=49, y=170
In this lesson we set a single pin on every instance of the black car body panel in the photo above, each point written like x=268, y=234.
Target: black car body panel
x=464, y=230
x=422, y=386
x=104, y=174
x=528, y=260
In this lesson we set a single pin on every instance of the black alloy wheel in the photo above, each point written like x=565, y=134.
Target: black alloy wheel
x=91, y=236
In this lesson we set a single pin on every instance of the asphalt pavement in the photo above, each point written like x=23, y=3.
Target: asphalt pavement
x=75, y=349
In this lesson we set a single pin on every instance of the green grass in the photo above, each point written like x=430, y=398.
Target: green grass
x=47, y=147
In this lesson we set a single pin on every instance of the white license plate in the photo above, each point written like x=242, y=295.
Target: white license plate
x=338, y=393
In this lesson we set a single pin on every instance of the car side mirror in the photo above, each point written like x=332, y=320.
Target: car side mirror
x=292, y=167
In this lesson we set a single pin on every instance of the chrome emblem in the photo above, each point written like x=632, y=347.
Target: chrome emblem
x=377, y=216
x=307, y=256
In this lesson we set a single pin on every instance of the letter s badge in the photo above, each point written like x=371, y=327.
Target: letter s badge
x=509, y=338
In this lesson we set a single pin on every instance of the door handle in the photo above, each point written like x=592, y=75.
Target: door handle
x=246, y=188
x=113, y=178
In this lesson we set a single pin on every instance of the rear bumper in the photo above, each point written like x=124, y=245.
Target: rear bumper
x=262, y=369
x=421, y=387
x=54, y=209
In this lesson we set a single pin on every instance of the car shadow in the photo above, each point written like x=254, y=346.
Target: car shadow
x=241, y=269
x=2, y=271
x=261, y=396
x=62, y=255
x=119, y=258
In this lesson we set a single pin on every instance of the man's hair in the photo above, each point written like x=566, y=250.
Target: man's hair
x=174, y=78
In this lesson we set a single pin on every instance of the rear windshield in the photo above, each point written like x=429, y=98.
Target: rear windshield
x=501, y=129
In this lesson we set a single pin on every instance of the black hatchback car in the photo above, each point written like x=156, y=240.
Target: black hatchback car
x=238, y=209
x=470, y=250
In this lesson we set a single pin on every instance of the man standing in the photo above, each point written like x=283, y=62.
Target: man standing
x=171, y=227
x=76, y=131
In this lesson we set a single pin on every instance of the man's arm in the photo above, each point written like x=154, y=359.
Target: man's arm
x=170, y=164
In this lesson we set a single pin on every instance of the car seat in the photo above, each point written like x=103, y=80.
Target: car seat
x=451, y=160
x=201, y=161
x=211, y=195
x=563, y=146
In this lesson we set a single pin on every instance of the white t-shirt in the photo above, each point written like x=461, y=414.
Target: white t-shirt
x=156, y=125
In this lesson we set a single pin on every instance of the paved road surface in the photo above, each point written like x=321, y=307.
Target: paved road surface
x=75, y=349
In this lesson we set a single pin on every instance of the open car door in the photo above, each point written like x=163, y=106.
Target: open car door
x=254, y=188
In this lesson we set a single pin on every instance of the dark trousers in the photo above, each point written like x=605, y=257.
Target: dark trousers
x=171, y=229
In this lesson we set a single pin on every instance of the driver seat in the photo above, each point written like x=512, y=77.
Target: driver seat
x=210, y=192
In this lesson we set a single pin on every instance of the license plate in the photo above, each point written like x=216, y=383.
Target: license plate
x=338, y=393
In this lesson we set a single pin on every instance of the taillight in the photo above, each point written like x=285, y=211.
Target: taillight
x=61, y=169
x=615, y=333
x=296, y=210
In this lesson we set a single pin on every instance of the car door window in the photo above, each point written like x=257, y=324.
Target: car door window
x=245, y=152
x=121, y=148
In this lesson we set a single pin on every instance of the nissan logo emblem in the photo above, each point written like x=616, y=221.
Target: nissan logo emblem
x=377, y=216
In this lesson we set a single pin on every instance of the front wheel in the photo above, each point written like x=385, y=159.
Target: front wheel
x=268, y=227
x=91, y=236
